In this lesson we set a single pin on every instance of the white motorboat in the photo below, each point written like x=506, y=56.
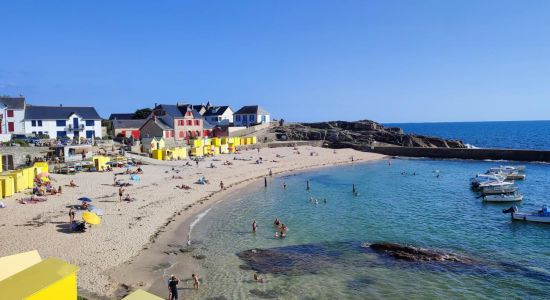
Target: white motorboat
x=507, y=169
x=492, y=188
x=515, y=175
x=484, y=179
x=541, y=216
x=513, y=197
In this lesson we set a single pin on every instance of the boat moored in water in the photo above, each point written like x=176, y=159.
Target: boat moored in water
x=493, y=188
x=513, y=197
x=541, y=216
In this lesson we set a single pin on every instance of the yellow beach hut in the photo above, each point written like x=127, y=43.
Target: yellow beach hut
x=141, y=295
x=49, y=279
x=8, y=188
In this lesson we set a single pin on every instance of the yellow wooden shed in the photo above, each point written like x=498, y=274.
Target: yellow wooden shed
x=196, y=143
x=179, y=153
x=101, y=162
x=19, y=182
x=8, y=188
x=13, y=264
x=49, y=279
x=197, y=151
x=29, y=176
x=157, y=154
x=216, y=142
x=237, y=141
x=141, y=295
x=42, y=165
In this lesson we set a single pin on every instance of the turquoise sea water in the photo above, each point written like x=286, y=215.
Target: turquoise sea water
x=511, y=259
x=504, y=134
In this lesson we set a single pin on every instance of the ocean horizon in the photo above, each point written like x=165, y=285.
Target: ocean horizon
x=532, y=135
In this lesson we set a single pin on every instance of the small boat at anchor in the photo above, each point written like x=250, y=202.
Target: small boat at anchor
x=495, y=188
x=513, y=197
x=541, y=216
x=507, y=169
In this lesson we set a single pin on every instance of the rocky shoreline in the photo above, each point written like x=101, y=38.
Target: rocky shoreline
x=340, y=134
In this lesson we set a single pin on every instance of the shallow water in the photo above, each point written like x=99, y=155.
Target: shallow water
x=512, y=259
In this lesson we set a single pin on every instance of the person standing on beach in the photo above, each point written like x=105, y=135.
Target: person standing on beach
x=120, y=191
x=254, y=226
x=270, y=173
x=221, y=185
x=173, y=288
x=195, y=281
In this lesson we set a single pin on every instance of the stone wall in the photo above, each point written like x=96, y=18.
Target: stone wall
x=20, y=153
x=478, y=154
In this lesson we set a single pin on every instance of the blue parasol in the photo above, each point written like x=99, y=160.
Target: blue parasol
x=85, y=199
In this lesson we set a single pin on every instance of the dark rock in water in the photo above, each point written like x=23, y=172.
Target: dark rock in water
x=268, y=294
x=199, y=256
x=245, y=267
x=409, y=253
x=290, y=260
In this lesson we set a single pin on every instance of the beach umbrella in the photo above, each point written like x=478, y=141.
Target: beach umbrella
x=85, y=199
x=91, y=218
x=134, y=177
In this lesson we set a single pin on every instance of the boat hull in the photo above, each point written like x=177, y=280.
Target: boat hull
x=502, y=198
x=530, y=217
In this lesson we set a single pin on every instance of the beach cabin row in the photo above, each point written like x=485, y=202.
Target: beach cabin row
x=216, y=146
x=19, y=180
x=176, y=153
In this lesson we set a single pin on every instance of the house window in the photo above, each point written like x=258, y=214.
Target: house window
x=39, y=123
x=89, y=134
x=40, y=133
x=89, y=122
x=189, y=122
x=188, y=113
x=11, y=127
x=34, y=132
x=181, y=134
x=33, y=123
x=264, y=118
x=238, y=118
x=60, y=123
x=10, y=113
x=251, y=118
x=197, y=122
x=166, y=134
x=61, y=133
x=198, y=133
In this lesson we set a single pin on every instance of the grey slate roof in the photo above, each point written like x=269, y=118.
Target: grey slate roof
x=170, y=109
x=129, y=116
x=128, y=123
x=33, y=112
x=251, y=109
x=13, y=102
x=216, y=111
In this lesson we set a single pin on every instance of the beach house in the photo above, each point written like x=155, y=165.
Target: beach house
x=127, y=128
x=219, y=115
x=251, y=115
x=12, y=113
x=62, y=121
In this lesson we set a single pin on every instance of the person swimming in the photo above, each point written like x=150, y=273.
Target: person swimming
x=277, y=222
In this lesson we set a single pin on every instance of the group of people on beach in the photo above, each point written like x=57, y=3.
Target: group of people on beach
x=173, y=282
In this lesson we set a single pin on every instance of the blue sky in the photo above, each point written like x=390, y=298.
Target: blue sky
x=390, y=61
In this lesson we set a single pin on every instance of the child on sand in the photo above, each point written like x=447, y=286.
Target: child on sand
x=72, y=184
x=120, y=191
x=195, y=281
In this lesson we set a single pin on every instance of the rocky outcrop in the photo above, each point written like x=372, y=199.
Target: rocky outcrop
x=410, y=253
x=362, y=133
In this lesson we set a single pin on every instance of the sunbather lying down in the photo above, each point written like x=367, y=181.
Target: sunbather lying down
x=128, y=198
x=32, y=200
x=183, y=187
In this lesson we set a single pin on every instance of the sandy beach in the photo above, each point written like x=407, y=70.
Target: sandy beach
x=130, y=231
